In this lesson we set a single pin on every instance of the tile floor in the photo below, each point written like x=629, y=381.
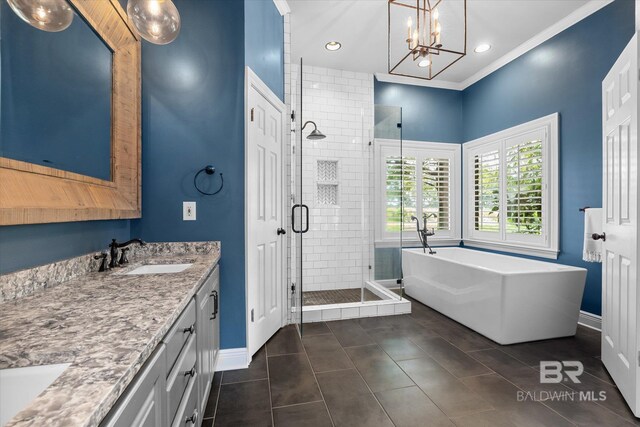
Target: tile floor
x=421, y=369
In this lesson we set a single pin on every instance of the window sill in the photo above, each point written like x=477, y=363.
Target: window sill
x=416, y=243
x=516, y=249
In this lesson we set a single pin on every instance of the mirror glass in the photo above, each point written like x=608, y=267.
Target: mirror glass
x=55, y=99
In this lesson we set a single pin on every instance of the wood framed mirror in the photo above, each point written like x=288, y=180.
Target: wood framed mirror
x=32, y=193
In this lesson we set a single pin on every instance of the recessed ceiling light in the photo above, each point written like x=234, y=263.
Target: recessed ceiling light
x=332, y=46
x=424, y=63
x=483, y=47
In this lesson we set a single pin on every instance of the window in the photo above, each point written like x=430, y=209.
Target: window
x=420, y=183
x=511, y=189
x=436, y=177
x=487, y=191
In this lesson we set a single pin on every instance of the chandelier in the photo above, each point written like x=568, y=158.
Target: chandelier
x=426, y=36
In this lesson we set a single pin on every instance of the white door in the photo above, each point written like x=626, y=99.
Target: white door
x=265, y=241
x=620, y=223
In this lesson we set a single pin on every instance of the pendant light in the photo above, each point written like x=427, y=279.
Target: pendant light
x=157, y=21
x=45, y=15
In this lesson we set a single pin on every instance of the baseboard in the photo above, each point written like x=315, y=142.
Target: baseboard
x=590, y=320
x=232, y=358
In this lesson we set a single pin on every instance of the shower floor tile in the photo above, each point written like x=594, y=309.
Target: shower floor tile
x=337, y=296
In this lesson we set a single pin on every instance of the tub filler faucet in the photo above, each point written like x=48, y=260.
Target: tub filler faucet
x=424, y=232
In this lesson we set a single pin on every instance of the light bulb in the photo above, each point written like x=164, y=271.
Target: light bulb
x=424, y=63
x=157, y=21
x=45, y=15
x=436, y=14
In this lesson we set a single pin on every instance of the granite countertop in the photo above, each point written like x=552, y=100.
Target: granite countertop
x=105, y=324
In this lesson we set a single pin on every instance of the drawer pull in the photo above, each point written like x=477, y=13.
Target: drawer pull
x=190, y=373
x=193, y=418
x=191, y=329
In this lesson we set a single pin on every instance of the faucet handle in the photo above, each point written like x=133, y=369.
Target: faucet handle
x=123, y=256
x=103, y=265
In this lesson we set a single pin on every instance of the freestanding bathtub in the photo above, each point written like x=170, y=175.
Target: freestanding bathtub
x=505, y=298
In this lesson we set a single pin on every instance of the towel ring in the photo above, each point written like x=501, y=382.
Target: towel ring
x=209, y=170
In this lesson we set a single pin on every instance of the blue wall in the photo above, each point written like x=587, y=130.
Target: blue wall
x=193, y=115
x=428, y=114
x=263, y=42
x=563, y=75
x=24, y=246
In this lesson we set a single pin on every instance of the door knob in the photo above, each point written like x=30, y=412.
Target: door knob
x=281, y=231
x=596, y=236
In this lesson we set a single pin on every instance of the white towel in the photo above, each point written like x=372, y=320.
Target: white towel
x=592, y=251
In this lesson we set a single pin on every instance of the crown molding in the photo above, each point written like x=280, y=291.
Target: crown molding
x=440, y=84
x=566, y=22
x=282, y=6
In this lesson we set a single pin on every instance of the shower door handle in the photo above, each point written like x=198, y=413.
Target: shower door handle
x=306, y=208
x=293, y=218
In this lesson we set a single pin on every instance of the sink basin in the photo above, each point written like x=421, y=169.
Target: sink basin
x=19, y=386
x=160, y=269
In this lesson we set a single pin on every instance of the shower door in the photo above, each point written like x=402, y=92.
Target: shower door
x=298, y=209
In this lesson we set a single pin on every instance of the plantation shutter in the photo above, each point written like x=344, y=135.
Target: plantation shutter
x=436, y=178
x=400, y=187
x=487, y=191
x=524, y=187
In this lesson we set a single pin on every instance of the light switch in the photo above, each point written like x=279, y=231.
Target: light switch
x=188, y=211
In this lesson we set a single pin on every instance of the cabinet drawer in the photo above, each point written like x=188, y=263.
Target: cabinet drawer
x=188, y=415
x=184, y=327
x=183, y=372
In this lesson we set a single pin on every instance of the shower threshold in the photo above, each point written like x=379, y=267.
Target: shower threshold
x=378, y=301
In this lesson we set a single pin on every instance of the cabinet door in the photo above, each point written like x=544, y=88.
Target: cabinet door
x=215, y=324
x=205, y=303
x=143, y=403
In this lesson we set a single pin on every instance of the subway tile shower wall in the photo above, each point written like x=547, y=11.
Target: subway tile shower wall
x=338, y=247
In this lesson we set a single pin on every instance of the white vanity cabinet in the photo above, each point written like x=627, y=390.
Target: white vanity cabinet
x=173, y=387
x=208, y=342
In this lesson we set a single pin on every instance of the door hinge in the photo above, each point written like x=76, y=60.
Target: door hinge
x=639, y=358
x=293, y=288
x=399, y=125
x=252, y=114
x=293, y=116
x=252, y=314
x=370, y=267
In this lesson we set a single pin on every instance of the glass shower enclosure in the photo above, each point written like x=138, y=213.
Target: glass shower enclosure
x=334, y=208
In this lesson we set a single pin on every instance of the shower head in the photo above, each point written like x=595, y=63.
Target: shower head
x=315, y=133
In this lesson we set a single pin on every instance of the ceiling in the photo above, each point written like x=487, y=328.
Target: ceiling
x=361, y=27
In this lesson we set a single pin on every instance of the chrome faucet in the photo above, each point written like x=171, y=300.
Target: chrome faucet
x=113, y=247
x=425, y=232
